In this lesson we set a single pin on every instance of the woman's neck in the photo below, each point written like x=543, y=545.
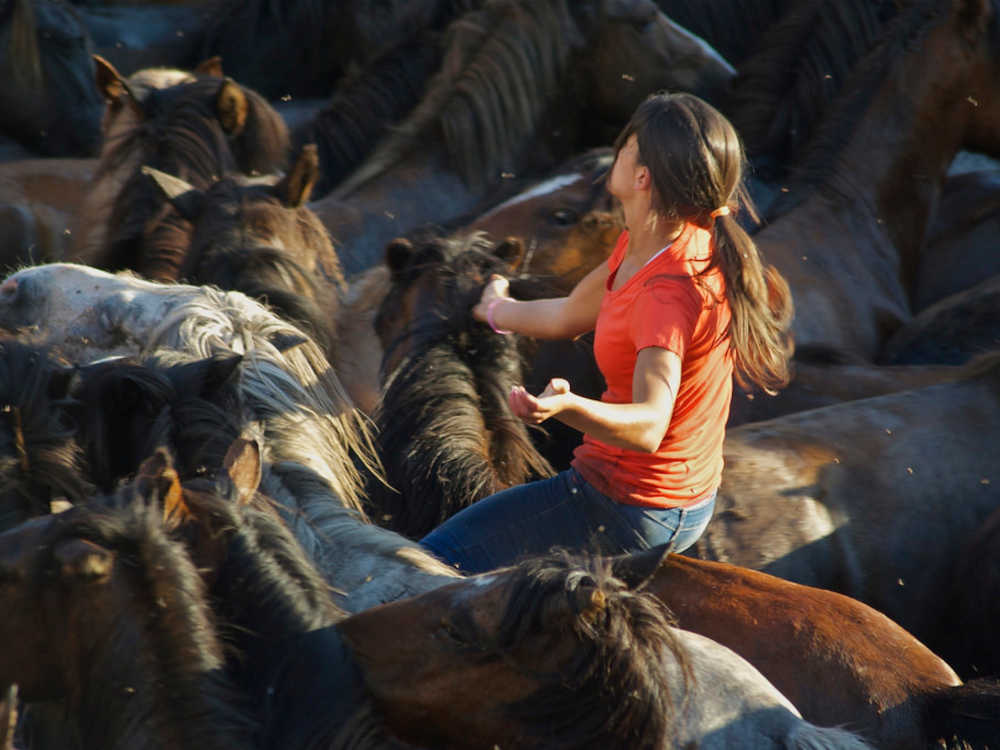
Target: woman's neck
x=649, y=233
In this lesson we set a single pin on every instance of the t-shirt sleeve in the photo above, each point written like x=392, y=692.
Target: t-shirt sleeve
x=665, y=315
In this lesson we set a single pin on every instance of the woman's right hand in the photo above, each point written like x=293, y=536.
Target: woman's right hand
x=496, y=288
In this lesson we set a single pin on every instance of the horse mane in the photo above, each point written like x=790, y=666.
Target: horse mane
x=43, y=460
x=502, y=64
x=286, y=381
x=270, y=276
x=317, y=521
x=453, y=381
x=279, y=590
x=177, y=653
x=820, y=167
x=366, y=102
x=799, y=66
x=618, y=652
x=23, y=44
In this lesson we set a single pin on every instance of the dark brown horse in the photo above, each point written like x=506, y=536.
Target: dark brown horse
x=850, y=246
x=48, y=101
x=839, y=661
x=261, y=239
x=195, y=126
x=555, y=653
x=873, y=498
x=446, y=435
x=107, y=615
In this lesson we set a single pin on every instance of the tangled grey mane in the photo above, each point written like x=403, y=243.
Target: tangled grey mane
x=306, y=415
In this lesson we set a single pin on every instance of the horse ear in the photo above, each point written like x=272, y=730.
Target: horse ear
x=398, y=254
x=188, y=200
x=242, y=463
x=210, y=67
x=296, y=186
x=110, y=82
x=637, y=569
x=511, y=252
x=285, y=342
x=218, y=370
x=231, y=107
x=81, y=559
x=156, y=476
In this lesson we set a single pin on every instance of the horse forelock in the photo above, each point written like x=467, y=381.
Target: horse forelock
x=618, y=648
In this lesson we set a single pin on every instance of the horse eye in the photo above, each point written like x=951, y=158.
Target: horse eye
x=564, y=216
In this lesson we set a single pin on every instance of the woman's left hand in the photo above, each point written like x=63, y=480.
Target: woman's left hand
x=536, y=409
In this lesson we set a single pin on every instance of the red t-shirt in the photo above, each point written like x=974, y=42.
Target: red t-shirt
x=666, y=305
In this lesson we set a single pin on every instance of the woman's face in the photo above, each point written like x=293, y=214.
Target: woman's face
x=624, y=177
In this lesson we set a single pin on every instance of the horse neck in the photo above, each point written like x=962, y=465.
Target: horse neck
x=434, y=394
x=154, y=682
x=907, y=129
x=370, y=563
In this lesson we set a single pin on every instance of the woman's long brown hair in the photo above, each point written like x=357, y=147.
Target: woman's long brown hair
x=696, y=162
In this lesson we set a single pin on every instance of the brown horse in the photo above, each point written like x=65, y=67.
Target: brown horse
x=79, y=590
x=840, y=662
x=195, y=126
x=38, y=200
x=872, y=498
x=556, y=653
x=261, y=239
x=850, y=246
x=566, y=221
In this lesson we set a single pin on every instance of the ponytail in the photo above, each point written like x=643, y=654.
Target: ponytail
x=760, y=304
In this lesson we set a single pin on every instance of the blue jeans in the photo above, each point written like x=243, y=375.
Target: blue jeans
x=564, y=511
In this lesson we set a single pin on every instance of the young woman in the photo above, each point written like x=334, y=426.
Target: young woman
x=682, y=305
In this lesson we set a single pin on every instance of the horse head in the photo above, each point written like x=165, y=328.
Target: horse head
x=557, y=642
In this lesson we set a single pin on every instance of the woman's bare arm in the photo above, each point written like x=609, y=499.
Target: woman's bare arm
x=640, y=425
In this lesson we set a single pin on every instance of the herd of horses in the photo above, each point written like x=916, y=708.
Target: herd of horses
x=239, y=378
